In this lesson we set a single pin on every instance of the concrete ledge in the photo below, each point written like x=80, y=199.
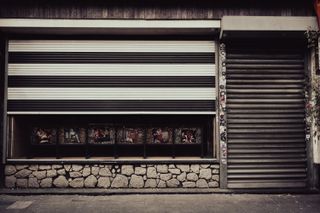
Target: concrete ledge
x=269, y=25
x=93, y=192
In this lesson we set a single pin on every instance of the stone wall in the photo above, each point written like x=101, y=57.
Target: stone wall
x=112, y=176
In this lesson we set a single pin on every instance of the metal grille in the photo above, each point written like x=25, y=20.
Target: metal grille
x=265, y=115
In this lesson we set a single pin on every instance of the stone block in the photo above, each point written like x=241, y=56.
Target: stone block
x=77, y=183
x=77, y=168
x=10, y=181
x=184, y=168
x=51, y=173
x=165, y=177
x=44, y=167
x=195, y=168
x=9, y=170
x=192, y=177
x=34, y=167
x=175, y=171
x=150, y=183
x=136, y=182
x=151, y=172
x=75, y=174
x=90, y=181
x=188, y=184
x=33, y=183
x=205, y=173
x=19, y=167
x=162, y=168
x=103, y=182
x=140, y=171
x=202, y=183
x=22, y=183
x=61, y=182
x=120, y=181
x=46, y=183
x=39, y=174
x=182, y=177
x=23, y=173
x=173, y=183
x=127, y=170
x=105, y=172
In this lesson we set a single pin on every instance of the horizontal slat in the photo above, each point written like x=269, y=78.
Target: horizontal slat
x=264, y=76
x=110, y=57
x=267, y=176
x=111, y=93
x=110, y=46
x=270, y=130
x=108, y=81
x=262, y=141
x=265, y=66
x=263, y=56
x=267, y=81
x=267, y=160
x=266, y=184
x=265, y=121
x=266, y=150
x=111, y=105
x=265, y=145
x=262, y=115
x=264, y=61
x=265, y=156
x=249, y=72
x=264, y=96
x=267, y=166
x=264, y=111
x=266, y=171
x=265, y=106
x=265, y=135
x=265, y=88
x=111, y=69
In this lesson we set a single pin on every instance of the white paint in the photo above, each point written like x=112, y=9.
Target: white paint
x=106, y=24
x=110, y=46
x=112, y=69
x=111, y=93
x=20, y=205
x=113, y=113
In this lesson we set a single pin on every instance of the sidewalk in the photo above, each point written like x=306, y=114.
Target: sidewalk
x=224, y=203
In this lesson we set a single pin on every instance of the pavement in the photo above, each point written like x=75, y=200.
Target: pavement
x=171, y=203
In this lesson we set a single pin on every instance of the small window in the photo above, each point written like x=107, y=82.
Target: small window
x=38, y=136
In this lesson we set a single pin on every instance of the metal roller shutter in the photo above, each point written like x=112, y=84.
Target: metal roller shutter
x=111, y=77
x=265, y=115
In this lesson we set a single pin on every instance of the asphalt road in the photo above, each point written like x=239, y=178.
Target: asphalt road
x=224, y=203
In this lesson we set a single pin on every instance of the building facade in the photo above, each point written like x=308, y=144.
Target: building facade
x=149, y=94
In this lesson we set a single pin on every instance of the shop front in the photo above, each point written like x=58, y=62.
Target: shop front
x=207, y=103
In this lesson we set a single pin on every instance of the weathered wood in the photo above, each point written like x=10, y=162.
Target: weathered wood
x=151, y=9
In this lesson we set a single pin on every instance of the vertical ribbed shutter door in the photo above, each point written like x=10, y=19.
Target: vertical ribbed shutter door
x=265, y=105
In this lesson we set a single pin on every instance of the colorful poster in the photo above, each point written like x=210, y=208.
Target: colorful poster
x=101, y=135
x=44, y=135
x=188, y=136
x=159, y=135
x=72, y=135
x=131, y=135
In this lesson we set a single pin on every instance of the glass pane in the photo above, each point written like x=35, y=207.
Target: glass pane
x=188, y=135
x=159, y=135
x=44, y=135
x=131, y=135
x=72, y=135
x=101, y=135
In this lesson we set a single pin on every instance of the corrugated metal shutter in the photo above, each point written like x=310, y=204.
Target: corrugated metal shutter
x=111, y=76
x=265, y=115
